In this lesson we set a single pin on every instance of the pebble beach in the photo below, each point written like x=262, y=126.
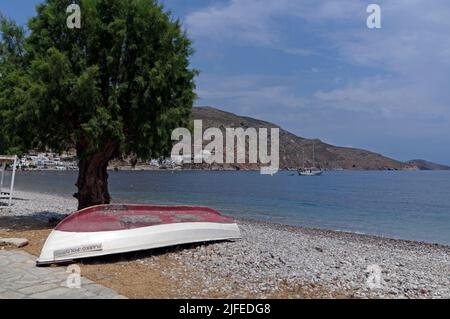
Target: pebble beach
x=271, y=261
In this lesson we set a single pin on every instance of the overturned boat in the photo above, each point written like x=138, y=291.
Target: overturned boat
x=113, y=229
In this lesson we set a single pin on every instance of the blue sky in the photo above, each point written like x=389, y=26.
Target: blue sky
x=313, y=67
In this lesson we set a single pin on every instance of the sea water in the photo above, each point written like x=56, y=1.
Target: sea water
x=412, y=205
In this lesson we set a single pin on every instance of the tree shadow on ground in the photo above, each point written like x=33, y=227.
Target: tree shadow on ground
x=38, y=221
x=144, y=254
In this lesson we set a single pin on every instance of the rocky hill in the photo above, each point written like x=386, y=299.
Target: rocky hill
x=292, y=146
x=428, y=166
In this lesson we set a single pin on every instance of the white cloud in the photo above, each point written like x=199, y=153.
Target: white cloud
x=249, y=93
x=412, y=48
x=395, y=78
x=299, y=51
x=247, y=20
x=390, y=97
x=255, y=21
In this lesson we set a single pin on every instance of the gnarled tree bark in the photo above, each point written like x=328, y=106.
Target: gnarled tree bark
x=92, y=180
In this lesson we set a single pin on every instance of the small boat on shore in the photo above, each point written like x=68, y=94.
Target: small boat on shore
x=113, y=229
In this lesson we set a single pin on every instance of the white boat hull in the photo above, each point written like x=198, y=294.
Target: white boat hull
x=313, y=173
x=64, y=246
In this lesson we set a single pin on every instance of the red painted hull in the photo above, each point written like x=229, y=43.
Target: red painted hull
x=125, y=217
x=113, y=229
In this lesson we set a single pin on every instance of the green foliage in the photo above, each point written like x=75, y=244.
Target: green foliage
x=123, y=79
x=12, y=61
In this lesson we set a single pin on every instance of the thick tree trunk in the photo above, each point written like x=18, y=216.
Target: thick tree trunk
x=92, y=181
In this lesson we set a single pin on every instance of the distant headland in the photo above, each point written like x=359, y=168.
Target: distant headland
x=328, y=157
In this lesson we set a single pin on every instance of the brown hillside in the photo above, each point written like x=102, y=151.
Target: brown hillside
x=291, y=146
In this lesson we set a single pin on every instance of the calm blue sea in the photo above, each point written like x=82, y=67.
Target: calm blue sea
x=406, y=205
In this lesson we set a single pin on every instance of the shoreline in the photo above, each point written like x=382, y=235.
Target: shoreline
x=288, y=170
x=343, y=233
x=271, y=261
x=69, y=200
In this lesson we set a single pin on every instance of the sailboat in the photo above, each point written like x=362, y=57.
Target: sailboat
x=313, y=171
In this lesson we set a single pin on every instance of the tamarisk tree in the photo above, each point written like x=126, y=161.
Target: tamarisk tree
x=12, y=63
x=116, y=86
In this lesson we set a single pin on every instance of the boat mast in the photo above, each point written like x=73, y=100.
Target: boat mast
x=303, y=159
x=314, y=154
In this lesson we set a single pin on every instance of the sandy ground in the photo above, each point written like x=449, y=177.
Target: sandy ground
x=129, y=276
x=271, y=261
